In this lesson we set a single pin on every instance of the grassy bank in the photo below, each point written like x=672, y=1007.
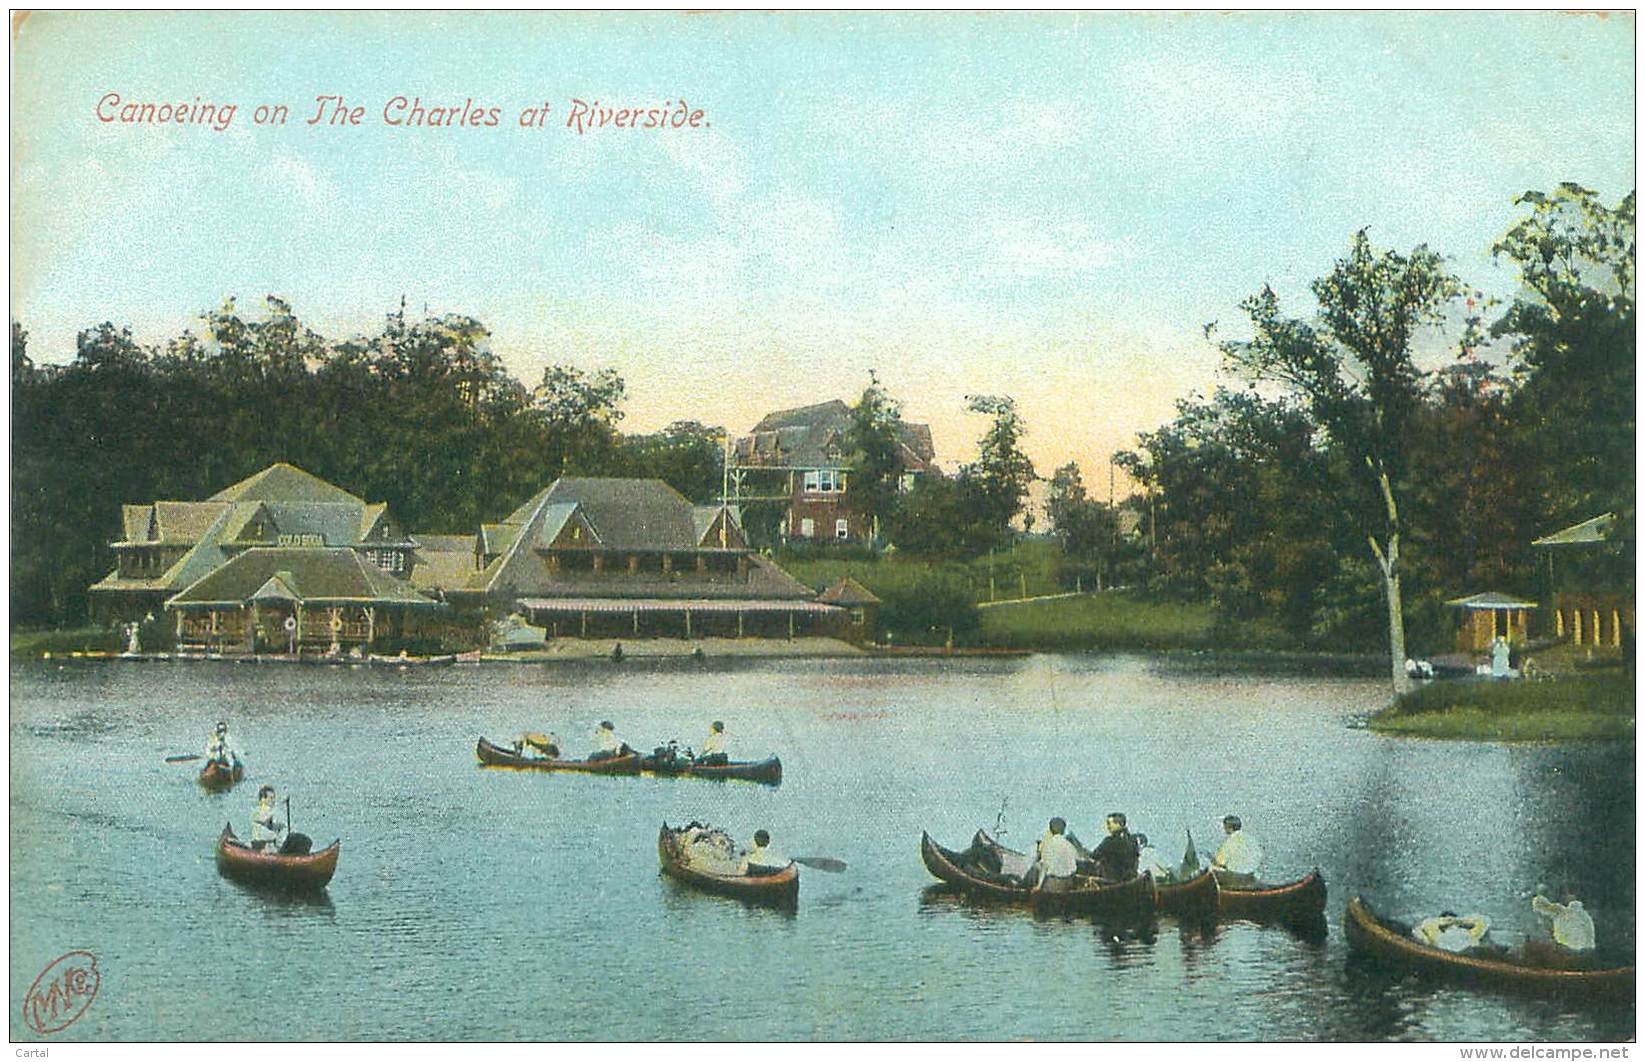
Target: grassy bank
x=71, y=640
x=1027, y=569
x=1569, y=707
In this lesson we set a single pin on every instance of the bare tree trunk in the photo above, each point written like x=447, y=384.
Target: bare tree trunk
x=1396, y=633
x=1388, y=561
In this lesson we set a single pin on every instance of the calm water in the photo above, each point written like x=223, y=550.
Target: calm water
x=476, y=904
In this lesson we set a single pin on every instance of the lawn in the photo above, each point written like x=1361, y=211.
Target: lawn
x=61, y=642
x=1568, y=707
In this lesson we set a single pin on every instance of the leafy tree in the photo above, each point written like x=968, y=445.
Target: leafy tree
x=1087, y=527
x=687, y=455
x=1002, y=472
x=943, y=516
x=1574, y=344
x=875, y=440
x=1353, y=371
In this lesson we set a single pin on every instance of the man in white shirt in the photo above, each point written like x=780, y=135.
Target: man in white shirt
x=265, y=828
x=1452, y=932
x=763, y=858
x=1149, y=861
x=1057, y=859
x=1239, y=854
x=606, y=744
x=713, y=751
x=1572, y=927
x=219, y=749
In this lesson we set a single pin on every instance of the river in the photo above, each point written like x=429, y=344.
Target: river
x=474, y=904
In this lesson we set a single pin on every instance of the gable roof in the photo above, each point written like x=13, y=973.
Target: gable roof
x=312, y=576
x=848, y=592
x=817, y=436
x=1590, y=532
x=286, y=483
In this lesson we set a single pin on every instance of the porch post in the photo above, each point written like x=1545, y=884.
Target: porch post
x=790, y=624
x=585, y=623
x=739, y=623
x=636, y=621
x=371, y=624
x=688, y=623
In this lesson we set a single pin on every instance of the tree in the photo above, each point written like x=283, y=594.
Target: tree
x=1574, y=344
x=687, y=455
x=875, y=441
x=1002, y=472
x=1354, y=373
x=1086, y=527
x=580, y=411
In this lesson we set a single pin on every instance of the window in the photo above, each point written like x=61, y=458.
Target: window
x=824, y=481
x=389, y=560
x=859, y=617
x=808, y=528
x=842, y=528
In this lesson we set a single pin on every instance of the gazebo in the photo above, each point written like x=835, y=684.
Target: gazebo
x=1488, y=616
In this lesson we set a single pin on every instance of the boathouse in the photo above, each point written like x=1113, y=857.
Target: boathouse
x=311, y=548
x=1589, y=569
x=611, y=557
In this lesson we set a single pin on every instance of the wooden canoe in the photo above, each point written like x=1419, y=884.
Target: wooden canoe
x=215, y=776
x=294, y=873
x=768, y=771
x=1370, y=935
x=1089, y=894
x=496, y=756
x=781, y=889
x=1300, y=901
x=1198, y=896
x=412, y=661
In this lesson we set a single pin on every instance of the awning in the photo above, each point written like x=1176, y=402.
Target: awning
x=663, y=604
x=1489, y=600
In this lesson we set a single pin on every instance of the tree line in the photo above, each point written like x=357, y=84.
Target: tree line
x=420, y=415
x=1373, y=460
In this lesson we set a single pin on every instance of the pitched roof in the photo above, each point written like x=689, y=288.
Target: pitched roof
x=1590, y=532
x=427, y=544
x=1489, y=600
x=817, y=436
x=848, y=592
x=638, y=514
x=287, y=483
x=312, y=576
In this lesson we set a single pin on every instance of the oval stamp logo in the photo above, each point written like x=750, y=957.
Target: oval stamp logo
x=61, y=993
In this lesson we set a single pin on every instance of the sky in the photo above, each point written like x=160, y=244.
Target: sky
x=1049, y=206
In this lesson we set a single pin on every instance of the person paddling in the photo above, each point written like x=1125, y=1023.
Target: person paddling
x=1240, y=855
x=1053, y=870
x=1452, y=932
x=1571, y=933
x=219, y=750
x=1149, y=861
x=265, y=828
x=713, y=751
x=606, y=744
x=763, y=858
x=1116, y=856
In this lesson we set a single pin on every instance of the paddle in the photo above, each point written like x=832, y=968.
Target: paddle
x=833, y=866
x=183, y=758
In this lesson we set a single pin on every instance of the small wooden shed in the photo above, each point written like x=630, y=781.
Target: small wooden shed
x=1483, y=618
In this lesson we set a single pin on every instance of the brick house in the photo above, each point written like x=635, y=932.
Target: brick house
x=803, y=457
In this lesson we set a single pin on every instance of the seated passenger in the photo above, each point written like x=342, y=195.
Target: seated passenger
x=713, y=752
x=1571, y=933
x=710, y=850
x=265, y=828
x=606, y=744
x=1452, y=932
x=1116, y=856
x=543, y=746
x=1149, y=861
x=1240, y=855
x=1054, y=867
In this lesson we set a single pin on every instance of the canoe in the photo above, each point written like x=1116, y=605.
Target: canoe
x=1196, y=896
x=496, y=756
x=781, y=889
x=412, y=661
x=1372, y=936
x=768, y=770
x=296, y=873
x=1301, y=900
x=1089, y=894
x=216, y=777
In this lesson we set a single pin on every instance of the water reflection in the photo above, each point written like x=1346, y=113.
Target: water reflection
x=451, y=873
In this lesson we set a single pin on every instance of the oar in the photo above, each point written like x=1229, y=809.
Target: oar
x=833, y=866
x=183, y=758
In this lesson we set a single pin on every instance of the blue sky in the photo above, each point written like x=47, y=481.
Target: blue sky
x=1048, y=206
